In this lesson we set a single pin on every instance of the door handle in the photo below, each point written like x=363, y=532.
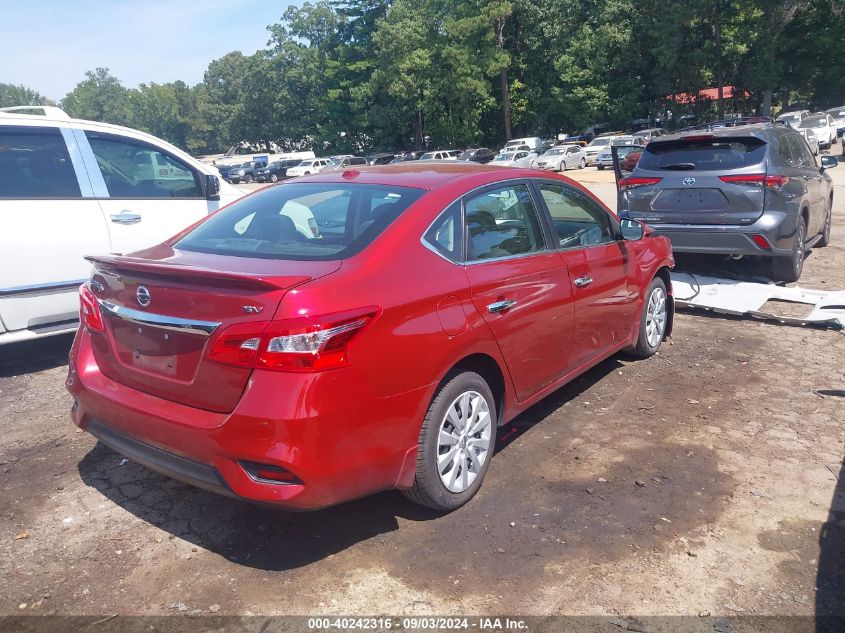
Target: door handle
x=126, y=217
x=583, y=282
x=501, y=306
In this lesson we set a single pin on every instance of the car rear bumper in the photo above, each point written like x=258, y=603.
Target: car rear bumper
x=722, y=240
x=337, y=438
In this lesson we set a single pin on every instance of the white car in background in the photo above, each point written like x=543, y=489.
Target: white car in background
x=838, y=116
x=309, y=166
x=443, y=154
x=514, y=159
x=793, y=118
x=599, y=143
x=605, y=156
x=563, y=157
x=822, y=125
x=70, y=188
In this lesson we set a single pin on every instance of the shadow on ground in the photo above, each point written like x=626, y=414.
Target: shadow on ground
x=26, y=357
x=830, y=581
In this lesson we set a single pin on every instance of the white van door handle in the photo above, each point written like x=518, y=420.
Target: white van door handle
x=126, y=217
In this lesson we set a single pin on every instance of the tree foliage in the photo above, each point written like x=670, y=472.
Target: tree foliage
x=350, y=75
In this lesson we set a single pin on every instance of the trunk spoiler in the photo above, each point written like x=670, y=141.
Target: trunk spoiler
x=195, y=274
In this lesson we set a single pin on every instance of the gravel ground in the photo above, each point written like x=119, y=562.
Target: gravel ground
x=703, y=480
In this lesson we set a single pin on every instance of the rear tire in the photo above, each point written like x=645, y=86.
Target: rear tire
x=788, y=269
x=653, y=320
x=827, y=224
x=582, y=164
x=456, y=443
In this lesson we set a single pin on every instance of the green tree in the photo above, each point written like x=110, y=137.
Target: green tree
x=99, y=97
x=12, y=95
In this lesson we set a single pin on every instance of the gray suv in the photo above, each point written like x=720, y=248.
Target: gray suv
x=751, y=190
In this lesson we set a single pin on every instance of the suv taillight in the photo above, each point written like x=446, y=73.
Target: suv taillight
x=306, y=344
x=772, y=182
x=89, y=309
x=632, y=182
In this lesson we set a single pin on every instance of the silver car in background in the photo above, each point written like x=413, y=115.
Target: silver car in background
x=752, y=190
x=563, y=157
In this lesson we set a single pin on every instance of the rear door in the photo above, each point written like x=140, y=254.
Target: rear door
x=806, y=163
x=519, y=285
x=49, y=221
x=146, y=193
x=596, y=261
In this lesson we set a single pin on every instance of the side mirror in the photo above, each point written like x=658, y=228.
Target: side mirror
x=829, y=162
x=632, y=230
x=212, y=187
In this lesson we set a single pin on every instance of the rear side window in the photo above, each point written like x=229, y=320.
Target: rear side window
x=302, y=221
x=502, y=223
x=703, y=154
x=445, y=233
x=132, y=169
x=34, y=163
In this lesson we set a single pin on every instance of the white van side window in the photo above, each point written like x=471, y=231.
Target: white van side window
x=34, y=163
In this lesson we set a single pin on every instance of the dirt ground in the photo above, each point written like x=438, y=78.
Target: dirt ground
x=703, y=480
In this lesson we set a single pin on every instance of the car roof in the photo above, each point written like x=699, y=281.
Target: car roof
x=425, y=175
x=758, y=130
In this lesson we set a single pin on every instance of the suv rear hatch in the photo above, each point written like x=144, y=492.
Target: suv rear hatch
x=161, y=317
x=698, y=179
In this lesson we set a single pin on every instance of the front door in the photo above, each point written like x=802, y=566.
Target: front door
x=519, y=285
x=151, y=195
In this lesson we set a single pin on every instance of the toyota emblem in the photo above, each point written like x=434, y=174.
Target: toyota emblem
x=689, y=181
x=143, y=296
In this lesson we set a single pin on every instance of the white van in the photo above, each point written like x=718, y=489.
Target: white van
x=70, y=188
x=534, y=143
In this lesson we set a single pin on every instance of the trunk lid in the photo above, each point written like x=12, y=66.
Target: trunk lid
x=163, y=312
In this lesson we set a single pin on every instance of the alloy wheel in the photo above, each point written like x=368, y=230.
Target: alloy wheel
x=655, y=318
x=463, y=443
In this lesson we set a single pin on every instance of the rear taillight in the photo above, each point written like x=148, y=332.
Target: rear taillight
x=89, y=310
x=306, y=344
x=772, y=182
x=762, y=242
x=632, y=182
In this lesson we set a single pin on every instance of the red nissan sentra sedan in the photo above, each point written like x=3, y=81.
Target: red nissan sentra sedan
x=357, y=331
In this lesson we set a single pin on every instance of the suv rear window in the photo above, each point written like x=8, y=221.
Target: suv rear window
x=302, y=221
x=703, y=154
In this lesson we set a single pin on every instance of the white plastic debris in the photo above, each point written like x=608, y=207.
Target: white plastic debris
x=745, y=298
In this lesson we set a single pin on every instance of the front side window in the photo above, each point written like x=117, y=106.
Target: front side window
x=133, y=169
x=501, y=223
x=34, y=163
x=302, y=221
x=577, y=219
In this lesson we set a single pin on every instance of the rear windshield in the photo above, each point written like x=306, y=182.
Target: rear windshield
x=301, y=221
x=600, y=142
x=703, y=154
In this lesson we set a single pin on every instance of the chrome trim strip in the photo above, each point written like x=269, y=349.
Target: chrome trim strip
x=31, y=289
x=203, y=328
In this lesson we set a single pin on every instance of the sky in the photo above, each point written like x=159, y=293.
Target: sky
x=49, y=44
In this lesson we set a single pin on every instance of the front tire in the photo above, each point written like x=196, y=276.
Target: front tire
x=788, y=269
x=582, y=164
x=456, y=442
x=654, y=319
x=274, y=178
x=248, y=179
x=600, y=167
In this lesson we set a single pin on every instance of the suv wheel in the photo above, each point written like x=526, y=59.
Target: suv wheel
x=248, y=179
x=274, y=178
x=582, y=164
x=788, y=268
x=826, y=230
x=456, y=443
